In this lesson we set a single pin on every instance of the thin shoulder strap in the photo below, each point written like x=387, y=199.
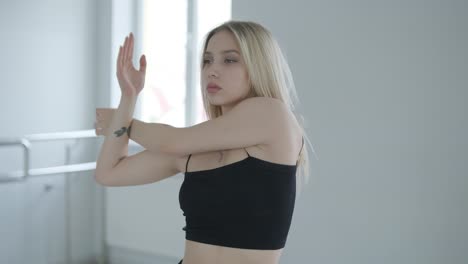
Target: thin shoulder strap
x=247, y=152
x=187, y=162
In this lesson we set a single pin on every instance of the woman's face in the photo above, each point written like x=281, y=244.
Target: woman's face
x=224, y=74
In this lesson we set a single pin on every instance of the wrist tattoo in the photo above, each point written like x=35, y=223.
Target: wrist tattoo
x=120, y=132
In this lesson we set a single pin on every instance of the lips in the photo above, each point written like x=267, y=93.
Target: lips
x=212, y=87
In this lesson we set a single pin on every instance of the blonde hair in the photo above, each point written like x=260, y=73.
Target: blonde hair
x=268, y=72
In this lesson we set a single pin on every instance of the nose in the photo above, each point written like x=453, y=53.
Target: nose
x=213, y=74
x=212, y=71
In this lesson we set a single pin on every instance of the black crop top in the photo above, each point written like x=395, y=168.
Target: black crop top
x=246, y=204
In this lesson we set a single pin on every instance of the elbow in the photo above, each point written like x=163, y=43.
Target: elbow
x=100, y=177
x=106, y=176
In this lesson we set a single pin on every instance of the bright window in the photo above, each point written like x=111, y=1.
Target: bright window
x=172, y=37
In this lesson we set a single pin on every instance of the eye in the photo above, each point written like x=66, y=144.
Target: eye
x=230, y=60
x=205, y=61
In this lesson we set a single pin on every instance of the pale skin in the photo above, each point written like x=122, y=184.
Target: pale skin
x=265, y=127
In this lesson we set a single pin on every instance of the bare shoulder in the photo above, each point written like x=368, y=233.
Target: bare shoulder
x=288, y=139
x=264, y=103
x=269, y=109
x=276, y=110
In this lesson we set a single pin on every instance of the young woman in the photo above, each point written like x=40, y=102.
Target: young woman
x=240, y=166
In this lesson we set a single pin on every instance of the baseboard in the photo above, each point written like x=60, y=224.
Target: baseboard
x=120, y=255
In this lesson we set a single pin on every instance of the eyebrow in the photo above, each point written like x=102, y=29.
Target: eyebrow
x=225, y=51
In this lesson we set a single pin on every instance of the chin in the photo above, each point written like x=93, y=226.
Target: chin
x=215, y=101
x=223, y=101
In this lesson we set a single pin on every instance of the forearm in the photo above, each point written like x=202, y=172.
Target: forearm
x=152, y=136
x=115, y=146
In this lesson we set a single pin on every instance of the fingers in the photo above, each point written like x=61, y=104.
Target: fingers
x=119, y=58
x=122, y=56
x=104, y=113
x=103, y=118
x=97, y=123
x=126, y=51
x=130, y=47
x=97, y=129
x=143, y=63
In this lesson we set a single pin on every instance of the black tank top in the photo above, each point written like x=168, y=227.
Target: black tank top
x=246, y=204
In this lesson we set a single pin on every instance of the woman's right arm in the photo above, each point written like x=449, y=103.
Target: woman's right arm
x=115, y=167
x=142, y=168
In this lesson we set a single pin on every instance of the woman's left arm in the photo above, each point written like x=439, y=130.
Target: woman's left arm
x=253, y=121
x=150, y=135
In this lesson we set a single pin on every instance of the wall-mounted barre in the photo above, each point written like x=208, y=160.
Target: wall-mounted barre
x=25, y=143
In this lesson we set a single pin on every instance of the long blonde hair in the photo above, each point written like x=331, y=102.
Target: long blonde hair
x=268, y=72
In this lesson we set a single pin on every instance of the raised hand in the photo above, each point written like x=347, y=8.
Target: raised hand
x=131, y=81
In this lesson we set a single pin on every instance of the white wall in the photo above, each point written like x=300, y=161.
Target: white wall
x=48, y=75
x=383, y=89
x=48, y=68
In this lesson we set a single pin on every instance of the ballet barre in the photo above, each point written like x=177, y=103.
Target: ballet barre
x=25, y=143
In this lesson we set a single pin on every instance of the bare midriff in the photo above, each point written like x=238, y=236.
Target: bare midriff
x=196, y=253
